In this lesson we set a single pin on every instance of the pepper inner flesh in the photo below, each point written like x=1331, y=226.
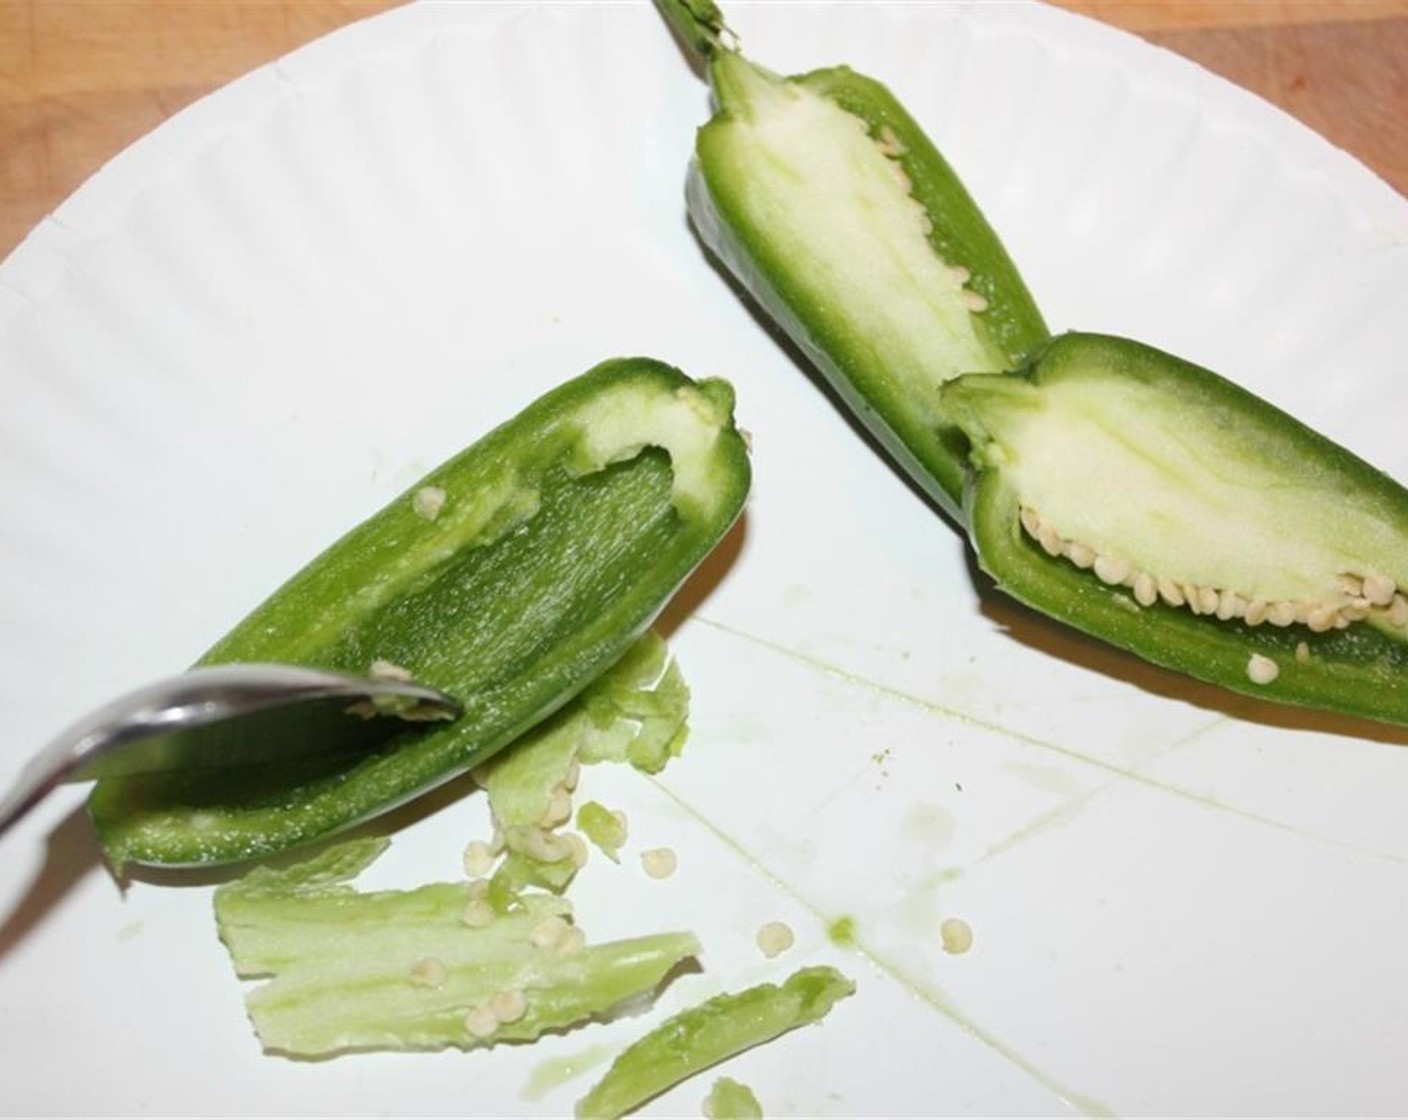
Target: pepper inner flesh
x=836, y=203
x=1196, y=509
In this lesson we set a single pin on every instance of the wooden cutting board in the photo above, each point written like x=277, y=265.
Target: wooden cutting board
x=82, y=79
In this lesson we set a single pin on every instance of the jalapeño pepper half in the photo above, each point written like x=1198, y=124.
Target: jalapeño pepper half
x=1151, y=503
x=842, y=220
x=510, y=577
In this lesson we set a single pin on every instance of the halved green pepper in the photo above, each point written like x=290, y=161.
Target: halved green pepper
x=834, y=210
x=1153, y=504
x=510, y=577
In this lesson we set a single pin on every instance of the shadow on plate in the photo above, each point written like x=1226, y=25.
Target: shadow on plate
x=70, y=855
x=702, y=581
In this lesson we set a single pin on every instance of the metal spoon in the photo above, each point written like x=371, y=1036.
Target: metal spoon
x=225, y=715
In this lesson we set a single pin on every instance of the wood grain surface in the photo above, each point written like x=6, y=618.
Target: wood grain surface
x=82, y=79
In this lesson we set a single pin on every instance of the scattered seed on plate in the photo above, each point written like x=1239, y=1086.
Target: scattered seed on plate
x=659, y=863
x=774, y=938
x=956, y=934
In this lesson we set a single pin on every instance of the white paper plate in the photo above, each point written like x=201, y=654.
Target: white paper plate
x=271, y=315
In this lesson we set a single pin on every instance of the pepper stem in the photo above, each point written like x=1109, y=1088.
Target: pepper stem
x=700, y=24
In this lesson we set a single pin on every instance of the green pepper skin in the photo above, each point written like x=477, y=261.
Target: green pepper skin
x=561, y=536
x=711, y=1032
x=1361, y=670
x=820, y=290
